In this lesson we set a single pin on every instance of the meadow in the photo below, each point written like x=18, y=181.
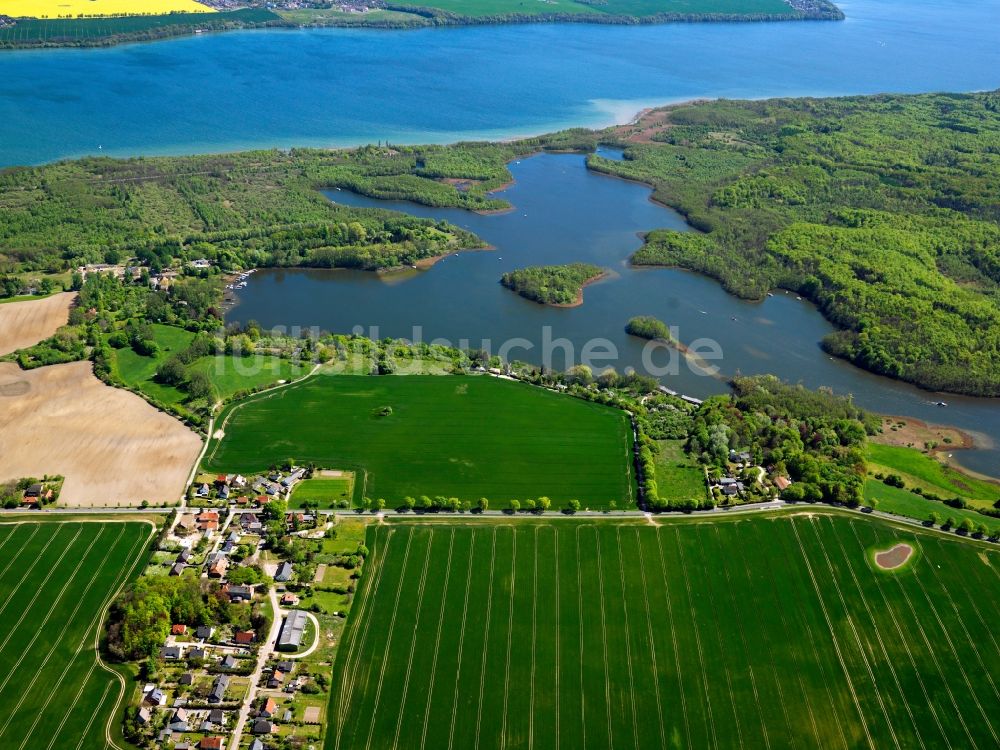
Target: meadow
x=55, y=581
x=678, y=476
x=228, y=375
x=902, y=502
x=326, y=491
x=741, y=632
x=455, y=436
x=929, y=474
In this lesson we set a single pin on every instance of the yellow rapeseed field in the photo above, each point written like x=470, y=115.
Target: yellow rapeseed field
x=76, y=8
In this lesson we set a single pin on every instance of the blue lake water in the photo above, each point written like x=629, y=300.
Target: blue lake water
x=565, y=213
x=340, y=87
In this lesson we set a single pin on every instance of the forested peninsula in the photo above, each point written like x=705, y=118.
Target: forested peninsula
x=882, y=210
x=20, y=33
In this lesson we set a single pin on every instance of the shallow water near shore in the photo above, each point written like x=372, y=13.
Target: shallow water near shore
x=337, y=87
x=565, y=213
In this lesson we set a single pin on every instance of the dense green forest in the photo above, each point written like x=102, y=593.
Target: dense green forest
x=882, y=210
x=553, y=285
x=238, y=210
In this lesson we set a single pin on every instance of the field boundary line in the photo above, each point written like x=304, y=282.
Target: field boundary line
x=486, y=637
x=833, y=636
x=510, y=636
x=52, y=607
x=763, y=630
x=628, y=632
x=368, y=591
x=604, y=639
x=825, y=675
x=746, y=649
x=579, y=607
x=649, y=633
x=673, y=632
x=878, y=634
x=392, y=632
x=814, y=526
x=722, y=641
x=93, y=667
x=461, y=644
x=38, y=590
x=906, y=648
x=413, y=643
x=86, y=731
x=437, y=640
x=710, y=719
x=958, y=660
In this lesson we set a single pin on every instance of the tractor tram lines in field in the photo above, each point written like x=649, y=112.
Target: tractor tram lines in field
x=773, y=631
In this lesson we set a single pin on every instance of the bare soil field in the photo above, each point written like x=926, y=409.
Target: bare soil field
x=112, y=447
x=26, y=323
x=893, y=558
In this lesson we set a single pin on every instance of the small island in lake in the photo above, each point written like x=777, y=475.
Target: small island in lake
x=648, y=327
x=560, y=286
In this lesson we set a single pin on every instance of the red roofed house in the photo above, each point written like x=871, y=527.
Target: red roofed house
x=245, y=636
x=268, y=709
x=210, y=743
x=782, y=483
x=178, y=629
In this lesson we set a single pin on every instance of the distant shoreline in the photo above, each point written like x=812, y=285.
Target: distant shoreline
x=51, y=33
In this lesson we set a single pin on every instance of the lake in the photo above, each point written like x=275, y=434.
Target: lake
x=565, y=213
x=339, y=87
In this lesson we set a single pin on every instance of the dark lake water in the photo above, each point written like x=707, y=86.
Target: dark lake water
x=341, y=87
x=565, y=213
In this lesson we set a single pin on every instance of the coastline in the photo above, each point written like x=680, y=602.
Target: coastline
x=168, y=26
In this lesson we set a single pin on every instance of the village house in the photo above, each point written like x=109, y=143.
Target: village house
x=268, y=708
x=203, y=632
x=284, y=573
x=245, y=637
x=170, y=652
x=218, y=693
x=211, y=743
x=217, y=565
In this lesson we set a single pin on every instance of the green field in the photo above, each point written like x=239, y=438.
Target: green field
x=56, y=580
x=678, y=477
x=456, y=436
x=920, y=470
x=771, y=632
x=229, y=375
x=325, y=491
x=905, y=503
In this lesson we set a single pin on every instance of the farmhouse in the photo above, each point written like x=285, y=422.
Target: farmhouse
x=292, y=630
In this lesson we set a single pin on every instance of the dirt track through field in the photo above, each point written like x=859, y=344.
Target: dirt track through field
x=26, y=323
x=112, y=447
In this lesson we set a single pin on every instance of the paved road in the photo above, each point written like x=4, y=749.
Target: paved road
x=262, y=654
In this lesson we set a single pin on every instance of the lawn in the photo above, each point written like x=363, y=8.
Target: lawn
x=920, y=470
x=229, y=375
x=55, y=581
x=678, y=477
x=455, y=436
x=754, y=632
x=902, y=502
x=328, y=492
